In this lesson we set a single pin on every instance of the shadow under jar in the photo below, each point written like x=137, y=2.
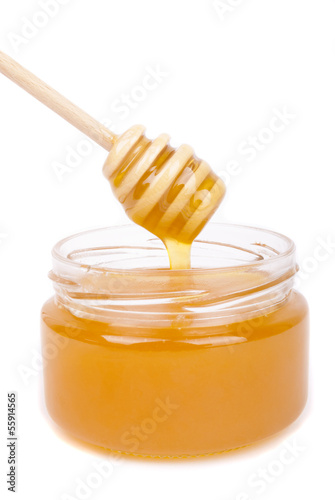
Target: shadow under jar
x=145, y=360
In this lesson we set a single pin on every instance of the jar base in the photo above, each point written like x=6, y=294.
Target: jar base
x=163, y=456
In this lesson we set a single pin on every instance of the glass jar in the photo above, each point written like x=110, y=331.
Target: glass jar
x=156, y=362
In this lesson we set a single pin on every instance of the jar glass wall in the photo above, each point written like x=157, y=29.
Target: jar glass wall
x=157, y=362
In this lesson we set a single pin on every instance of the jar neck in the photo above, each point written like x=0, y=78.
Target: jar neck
x=254, y=279
x=192, y=305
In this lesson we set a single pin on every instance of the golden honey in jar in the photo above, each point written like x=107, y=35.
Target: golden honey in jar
x=167, y=363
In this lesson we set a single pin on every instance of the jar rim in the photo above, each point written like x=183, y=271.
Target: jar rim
x=289, y=252
x=247, y=269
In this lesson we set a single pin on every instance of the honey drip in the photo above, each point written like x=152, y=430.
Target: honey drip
x=169, y=192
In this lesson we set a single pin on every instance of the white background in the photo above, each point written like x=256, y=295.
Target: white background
x=225, y=77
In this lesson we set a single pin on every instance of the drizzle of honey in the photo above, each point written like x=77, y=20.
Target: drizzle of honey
x=169, y=192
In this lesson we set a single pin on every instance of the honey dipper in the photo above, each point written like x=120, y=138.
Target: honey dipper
x=169, y=192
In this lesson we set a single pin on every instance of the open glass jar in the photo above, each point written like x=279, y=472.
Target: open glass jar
x=156, y=362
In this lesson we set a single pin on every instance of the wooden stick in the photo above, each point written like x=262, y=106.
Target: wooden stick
x=56, y=102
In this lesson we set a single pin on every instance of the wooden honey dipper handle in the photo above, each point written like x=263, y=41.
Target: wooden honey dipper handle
x=56, y=102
